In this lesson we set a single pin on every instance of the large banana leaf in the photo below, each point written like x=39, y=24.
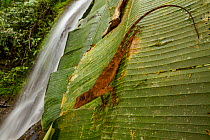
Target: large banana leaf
x=91, y=28
x=162, y=85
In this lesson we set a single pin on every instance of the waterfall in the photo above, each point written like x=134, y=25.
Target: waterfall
x=29, y=108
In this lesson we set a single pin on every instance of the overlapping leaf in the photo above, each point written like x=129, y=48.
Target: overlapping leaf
x=79, y=41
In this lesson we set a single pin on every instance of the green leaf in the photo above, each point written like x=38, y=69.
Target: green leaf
x=79, y=119
x=49, y=133
x=162, y=85
x=90, y=31
x=53, y=97
x=91, y=65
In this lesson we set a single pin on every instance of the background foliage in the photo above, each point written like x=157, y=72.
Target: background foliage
x=23, y=27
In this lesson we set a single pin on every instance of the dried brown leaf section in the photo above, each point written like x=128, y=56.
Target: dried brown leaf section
x=116, y=18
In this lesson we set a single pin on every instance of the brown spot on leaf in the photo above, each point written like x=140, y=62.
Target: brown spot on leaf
x=134, y=44
x=207, y=132
x=92, y=45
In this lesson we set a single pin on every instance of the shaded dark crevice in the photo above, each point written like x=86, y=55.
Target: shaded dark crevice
x=88, y=10
x=4, y=106
x=72, y=51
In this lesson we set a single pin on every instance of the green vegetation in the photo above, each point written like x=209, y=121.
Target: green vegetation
x=162, y=85
x=23, y=27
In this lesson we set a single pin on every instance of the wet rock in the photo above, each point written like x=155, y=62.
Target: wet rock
x=6, y=106
x=34, y=133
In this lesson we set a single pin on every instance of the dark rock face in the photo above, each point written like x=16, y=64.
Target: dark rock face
x=34, y=133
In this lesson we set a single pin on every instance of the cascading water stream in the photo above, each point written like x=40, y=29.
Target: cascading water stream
x=29, y=108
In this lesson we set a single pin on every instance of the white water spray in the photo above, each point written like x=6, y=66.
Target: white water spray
x=29, y=108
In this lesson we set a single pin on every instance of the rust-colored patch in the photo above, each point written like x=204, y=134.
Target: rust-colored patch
x=134, y=44
x=197, y=47
x=92, y=45
x=101, y=85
